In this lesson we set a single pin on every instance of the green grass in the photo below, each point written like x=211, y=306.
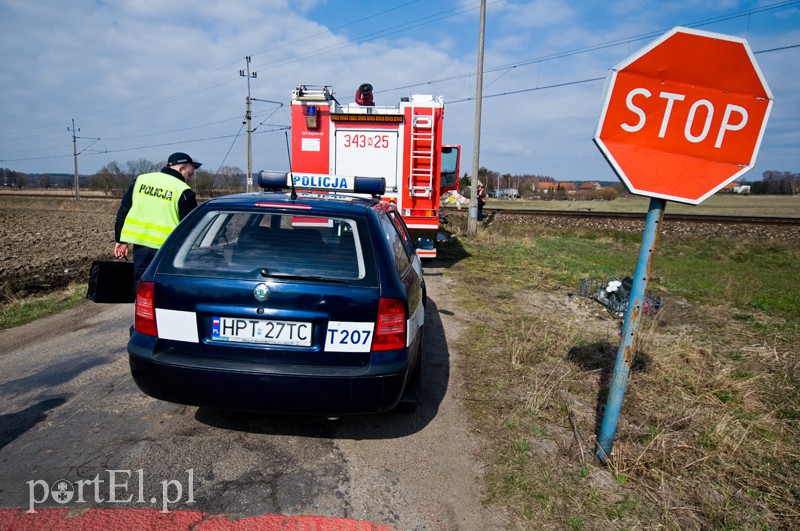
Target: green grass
x=713, y=401
x=721, y=204
x=744, y=274
x=21, y=311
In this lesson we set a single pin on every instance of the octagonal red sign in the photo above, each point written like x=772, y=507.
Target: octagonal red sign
x=684, y=116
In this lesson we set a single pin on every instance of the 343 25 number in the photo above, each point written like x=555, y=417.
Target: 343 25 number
x=365, y=141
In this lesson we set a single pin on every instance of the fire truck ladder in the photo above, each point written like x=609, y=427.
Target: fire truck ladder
x=421, y=152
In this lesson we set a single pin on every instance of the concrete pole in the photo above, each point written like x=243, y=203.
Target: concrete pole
x=249, y=75
x=249, y=145
x=75, y=161
x=472, y=227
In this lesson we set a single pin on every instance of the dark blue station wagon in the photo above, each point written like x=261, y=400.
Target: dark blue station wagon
x=284, y=302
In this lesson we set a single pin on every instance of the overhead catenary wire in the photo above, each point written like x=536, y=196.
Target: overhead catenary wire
x=601, y=46
x=220, y=76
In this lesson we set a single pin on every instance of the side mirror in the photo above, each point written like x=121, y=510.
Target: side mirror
x=426, y=244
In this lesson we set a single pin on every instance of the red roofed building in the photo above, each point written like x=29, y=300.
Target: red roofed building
x=547, y=186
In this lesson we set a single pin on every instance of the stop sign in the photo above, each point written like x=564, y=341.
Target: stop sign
x=684, y=116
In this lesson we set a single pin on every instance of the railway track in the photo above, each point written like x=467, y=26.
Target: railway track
x=501, y=212
x=58, y=195
x=694, y=218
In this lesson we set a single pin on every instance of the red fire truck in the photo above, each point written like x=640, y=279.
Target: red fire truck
x=402, y=144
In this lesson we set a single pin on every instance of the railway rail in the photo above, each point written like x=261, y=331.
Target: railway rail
x=695, y=218
x=58, y=195
x=596, y=214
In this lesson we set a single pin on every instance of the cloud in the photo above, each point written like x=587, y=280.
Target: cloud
x=144, y=78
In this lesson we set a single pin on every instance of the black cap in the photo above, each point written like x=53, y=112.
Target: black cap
x=182, y=158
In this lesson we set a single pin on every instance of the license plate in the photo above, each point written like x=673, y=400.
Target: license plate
x=261, y=331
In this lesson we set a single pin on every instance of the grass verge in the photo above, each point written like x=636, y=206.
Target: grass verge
x=19, y=311
x=708, y=433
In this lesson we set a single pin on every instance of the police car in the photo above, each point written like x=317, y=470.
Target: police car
x=291, y=300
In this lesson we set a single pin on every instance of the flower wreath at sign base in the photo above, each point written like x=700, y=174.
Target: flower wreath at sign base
x=451, y=197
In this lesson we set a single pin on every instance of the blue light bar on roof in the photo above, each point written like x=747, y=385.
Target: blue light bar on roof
x=370, y=185
x=276, y=180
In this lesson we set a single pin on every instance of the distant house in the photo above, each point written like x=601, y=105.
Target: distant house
x=591, y=185
x=548, y=186
x=735, y=188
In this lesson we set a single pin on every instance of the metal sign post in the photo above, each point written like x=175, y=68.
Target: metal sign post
x=622, y=365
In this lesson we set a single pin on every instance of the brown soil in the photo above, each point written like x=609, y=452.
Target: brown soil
x=46, y=246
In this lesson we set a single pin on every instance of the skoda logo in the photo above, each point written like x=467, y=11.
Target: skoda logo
x=261, y=292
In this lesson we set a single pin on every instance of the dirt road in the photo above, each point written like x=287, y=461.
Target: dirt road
x=70, y=411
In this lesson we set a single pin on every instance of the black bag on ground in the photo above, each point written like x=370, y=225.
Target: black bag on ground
x=111, y=281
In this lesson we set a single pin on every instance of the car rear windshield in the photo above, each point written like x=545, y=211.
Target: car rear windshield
x=236, y=244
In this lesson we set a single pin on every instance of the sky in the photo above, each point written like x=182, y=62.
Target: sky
x=142, y=79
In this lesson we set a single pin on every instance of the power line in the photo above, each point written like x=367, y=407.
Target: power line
x=581, y=81
x=532, y=89
x=421, y=21
x=601, y=46
x=777, y=49
x=223, y=79
x=275, y=128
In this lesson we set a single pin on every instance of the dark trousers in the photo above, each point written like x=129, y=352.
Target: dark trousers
x=142, y=256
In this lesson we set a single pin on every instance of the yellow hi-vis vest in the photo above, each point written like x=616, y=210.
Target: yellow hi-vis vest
x=154, y=209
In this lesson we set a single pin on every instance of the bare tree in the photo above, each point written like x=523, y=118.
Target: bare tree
x=20, y=180
x=780, y=182
x=112, y=180
x=203, y=183
x=489, y=178
x=138, y=167
x=231, y=179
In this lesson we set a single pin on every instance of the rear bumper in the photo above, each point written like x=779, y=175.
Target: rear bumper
x=273, y=389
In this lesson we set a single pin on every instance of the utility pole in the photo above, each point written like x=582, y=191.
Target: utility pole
x=472, y=226
x=247, y=117
x=75, y=159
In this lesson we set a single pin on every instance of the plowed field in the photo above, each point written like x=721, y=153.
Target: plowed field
x=45, y=245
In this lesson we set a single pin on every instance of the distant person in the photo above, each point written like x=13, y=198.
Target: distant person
x=481, y=200
x=151, y=209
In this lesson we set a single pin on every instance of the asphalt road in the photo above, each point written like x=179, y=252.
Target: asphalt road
x=70, y=411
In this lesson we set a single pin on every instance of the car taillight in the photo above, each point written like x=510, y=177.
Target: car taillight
x=390, y=333
x=145, y=321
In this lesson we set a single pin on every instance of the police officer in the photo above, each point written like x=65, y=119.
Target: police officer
x=151, y=208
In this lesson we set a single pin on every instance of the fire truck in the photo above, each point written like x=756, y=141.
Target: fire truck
x=401, y=143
